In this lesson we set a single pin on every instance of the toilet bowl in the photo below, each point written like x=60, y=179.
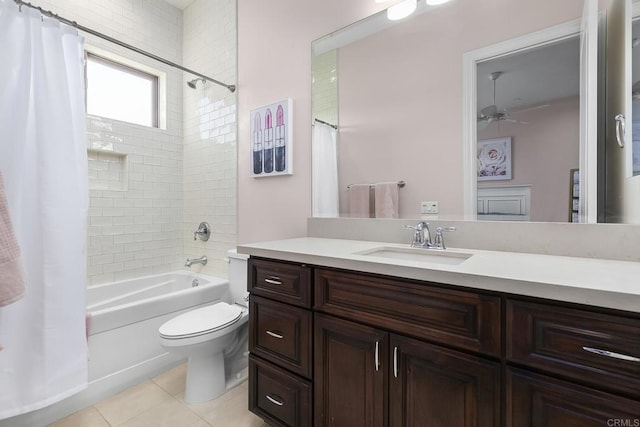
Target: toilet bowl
x=207, y=335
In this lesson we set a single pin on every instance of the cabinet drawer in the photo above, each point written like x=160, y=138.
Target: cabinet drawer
x=284, y=282
x=458, y=318
x=280, y=398
x=281, y=334
x=600, y=349
x=536, y=400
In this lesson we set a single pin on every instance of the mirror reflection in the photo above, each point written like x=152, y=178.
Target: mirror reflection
x=528, y=134
x=388, y=107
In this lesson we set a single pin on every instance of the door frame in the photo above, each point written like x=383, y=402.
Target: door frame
x=470, y=110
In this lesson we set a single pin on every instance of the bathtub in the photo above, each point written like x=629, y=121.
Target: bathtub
x=123, y=320
x=124, y=346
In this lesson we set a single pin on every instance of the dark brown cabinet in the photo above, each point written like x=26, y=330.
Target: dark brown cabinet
x=281, y=334
x=540, y=401
x=427, y=385
x=463, y=319
x=350, y=380
x=341, y=348
x=280, y=398
x=435, y=386
x=280, y=343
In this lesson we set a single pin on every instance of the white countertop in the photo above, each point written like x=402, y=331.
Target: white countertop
x=602, y=283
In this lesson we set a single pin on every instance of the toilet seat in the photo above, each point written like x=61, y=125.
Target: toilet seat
x=201, y=321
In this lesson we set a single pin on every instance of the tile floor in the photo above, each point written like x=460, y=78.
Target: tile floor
x=160, y=402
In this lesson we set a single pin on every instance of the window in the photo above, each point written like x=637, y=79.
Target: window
x=120, y=92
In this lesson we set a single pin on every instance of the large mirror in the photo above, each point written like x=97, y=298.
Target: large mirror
x=389, y=106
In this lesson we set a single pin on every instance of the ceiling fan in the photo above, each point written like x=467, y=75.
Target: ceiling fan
x=492, y=114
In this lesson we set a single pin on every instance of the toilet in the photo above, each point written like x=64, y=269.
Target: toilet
x=214, y=338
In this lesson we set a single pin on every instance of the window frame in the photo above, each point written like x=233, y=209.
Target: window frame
x=154, y=79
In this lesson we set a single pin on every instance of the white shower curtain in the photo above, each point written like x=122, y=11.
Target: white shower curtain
x=324, y=170
x=43, y=160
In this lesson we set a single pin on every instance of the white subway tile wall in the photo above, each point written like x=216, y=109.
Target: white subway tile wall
x=137, y=205
x=325, y=87
x=209, y=110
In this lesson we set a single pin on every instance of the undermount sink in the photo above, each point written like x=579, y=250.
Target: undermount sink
x=417, y=254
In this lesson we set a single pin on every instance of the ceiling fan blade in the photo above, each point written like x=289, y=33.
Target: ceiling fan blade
x=535, y=107
x=516, y=121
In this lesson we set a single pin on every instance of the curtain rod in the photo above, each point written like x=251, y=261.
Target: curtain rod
x=74, y=24
x=326, y=123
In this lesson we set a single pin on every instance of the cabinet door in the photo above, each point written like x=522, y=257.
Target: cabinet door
x=434, y=386
x=350, y=379
x=539, y=401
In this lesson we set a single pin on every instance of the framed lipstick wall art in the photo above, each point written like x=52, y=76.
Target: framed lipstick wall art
x=271, y=131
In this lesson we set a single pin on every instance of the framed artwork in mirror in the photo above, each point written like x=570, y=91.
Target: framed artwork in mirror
x=494, y=159
x=271, y=139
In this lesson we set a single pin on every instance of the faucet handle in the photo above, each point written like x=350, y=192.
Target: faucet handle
x=203, y=232
x=439, y=240
x=419, y=227
x=418, y=235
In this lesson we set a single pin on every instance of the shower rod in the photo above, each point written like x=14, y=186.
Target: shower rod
x=326, y=123
x=74, y=24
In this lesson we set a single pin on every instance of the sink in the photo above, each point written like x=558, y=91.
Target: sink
x=416, y=254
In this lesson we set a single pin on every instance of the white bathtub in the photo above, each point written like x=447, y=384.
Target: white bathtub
x=124, y=318
x=124, y=345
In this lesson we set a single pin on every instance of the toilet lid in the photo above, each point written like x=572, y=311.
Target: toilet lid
x=201, y=321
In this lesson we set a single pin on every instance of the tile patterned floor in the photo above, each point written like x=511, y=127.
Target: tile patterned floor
x=160, y=402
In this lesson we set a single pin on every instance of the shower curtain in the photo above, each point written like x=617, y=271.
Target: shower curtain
x=324, y=171
x=43, y=160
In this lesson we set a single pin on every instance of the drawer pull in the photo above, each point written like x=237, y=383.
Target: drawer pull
x=377, y=357
x=395, y=362
x=611, y=354
x=273, y=280
x=275, y=400
x=275, y=335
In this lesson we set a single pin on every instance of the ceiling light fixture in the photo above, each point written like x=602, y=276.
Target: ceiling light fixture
x=435, y=2
x=402, y=9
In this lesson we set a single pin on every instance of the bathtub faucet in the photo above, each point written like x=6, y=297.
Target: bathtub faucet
x=202, y=260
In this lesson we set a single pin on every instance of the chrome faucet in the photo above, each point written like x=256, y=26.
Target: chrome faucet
x=202, y=260
x=422, y=236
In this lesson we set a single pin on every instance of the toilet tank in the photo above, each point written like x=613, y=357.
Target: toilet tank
x=238, y=276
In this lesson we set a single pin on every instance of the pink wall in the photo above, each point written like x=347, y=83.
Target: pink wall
x=274, y=41
x=552, y=138
x=400, y=97
x=274, y=62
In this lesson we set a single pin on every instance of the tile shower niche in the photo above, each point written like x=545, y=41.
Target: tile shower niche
x=108, y=170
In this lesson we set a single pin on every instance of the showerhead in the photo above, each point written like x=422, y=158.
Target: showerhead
x=192, y=83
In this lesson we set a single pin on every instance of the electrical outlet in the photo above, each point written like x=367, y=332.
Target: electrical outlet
x=429, y=207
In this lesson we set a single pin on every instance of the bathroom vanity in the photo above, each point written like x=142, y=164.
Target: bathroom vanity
x=354, y=333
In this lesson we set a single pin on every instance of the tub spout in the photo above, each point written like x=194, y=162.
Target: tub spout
x=202, y=260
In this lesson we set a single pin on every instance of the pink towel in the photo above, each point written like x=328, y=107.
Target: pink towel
x=11, y=274
x=359, y=205
x=386, y=199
